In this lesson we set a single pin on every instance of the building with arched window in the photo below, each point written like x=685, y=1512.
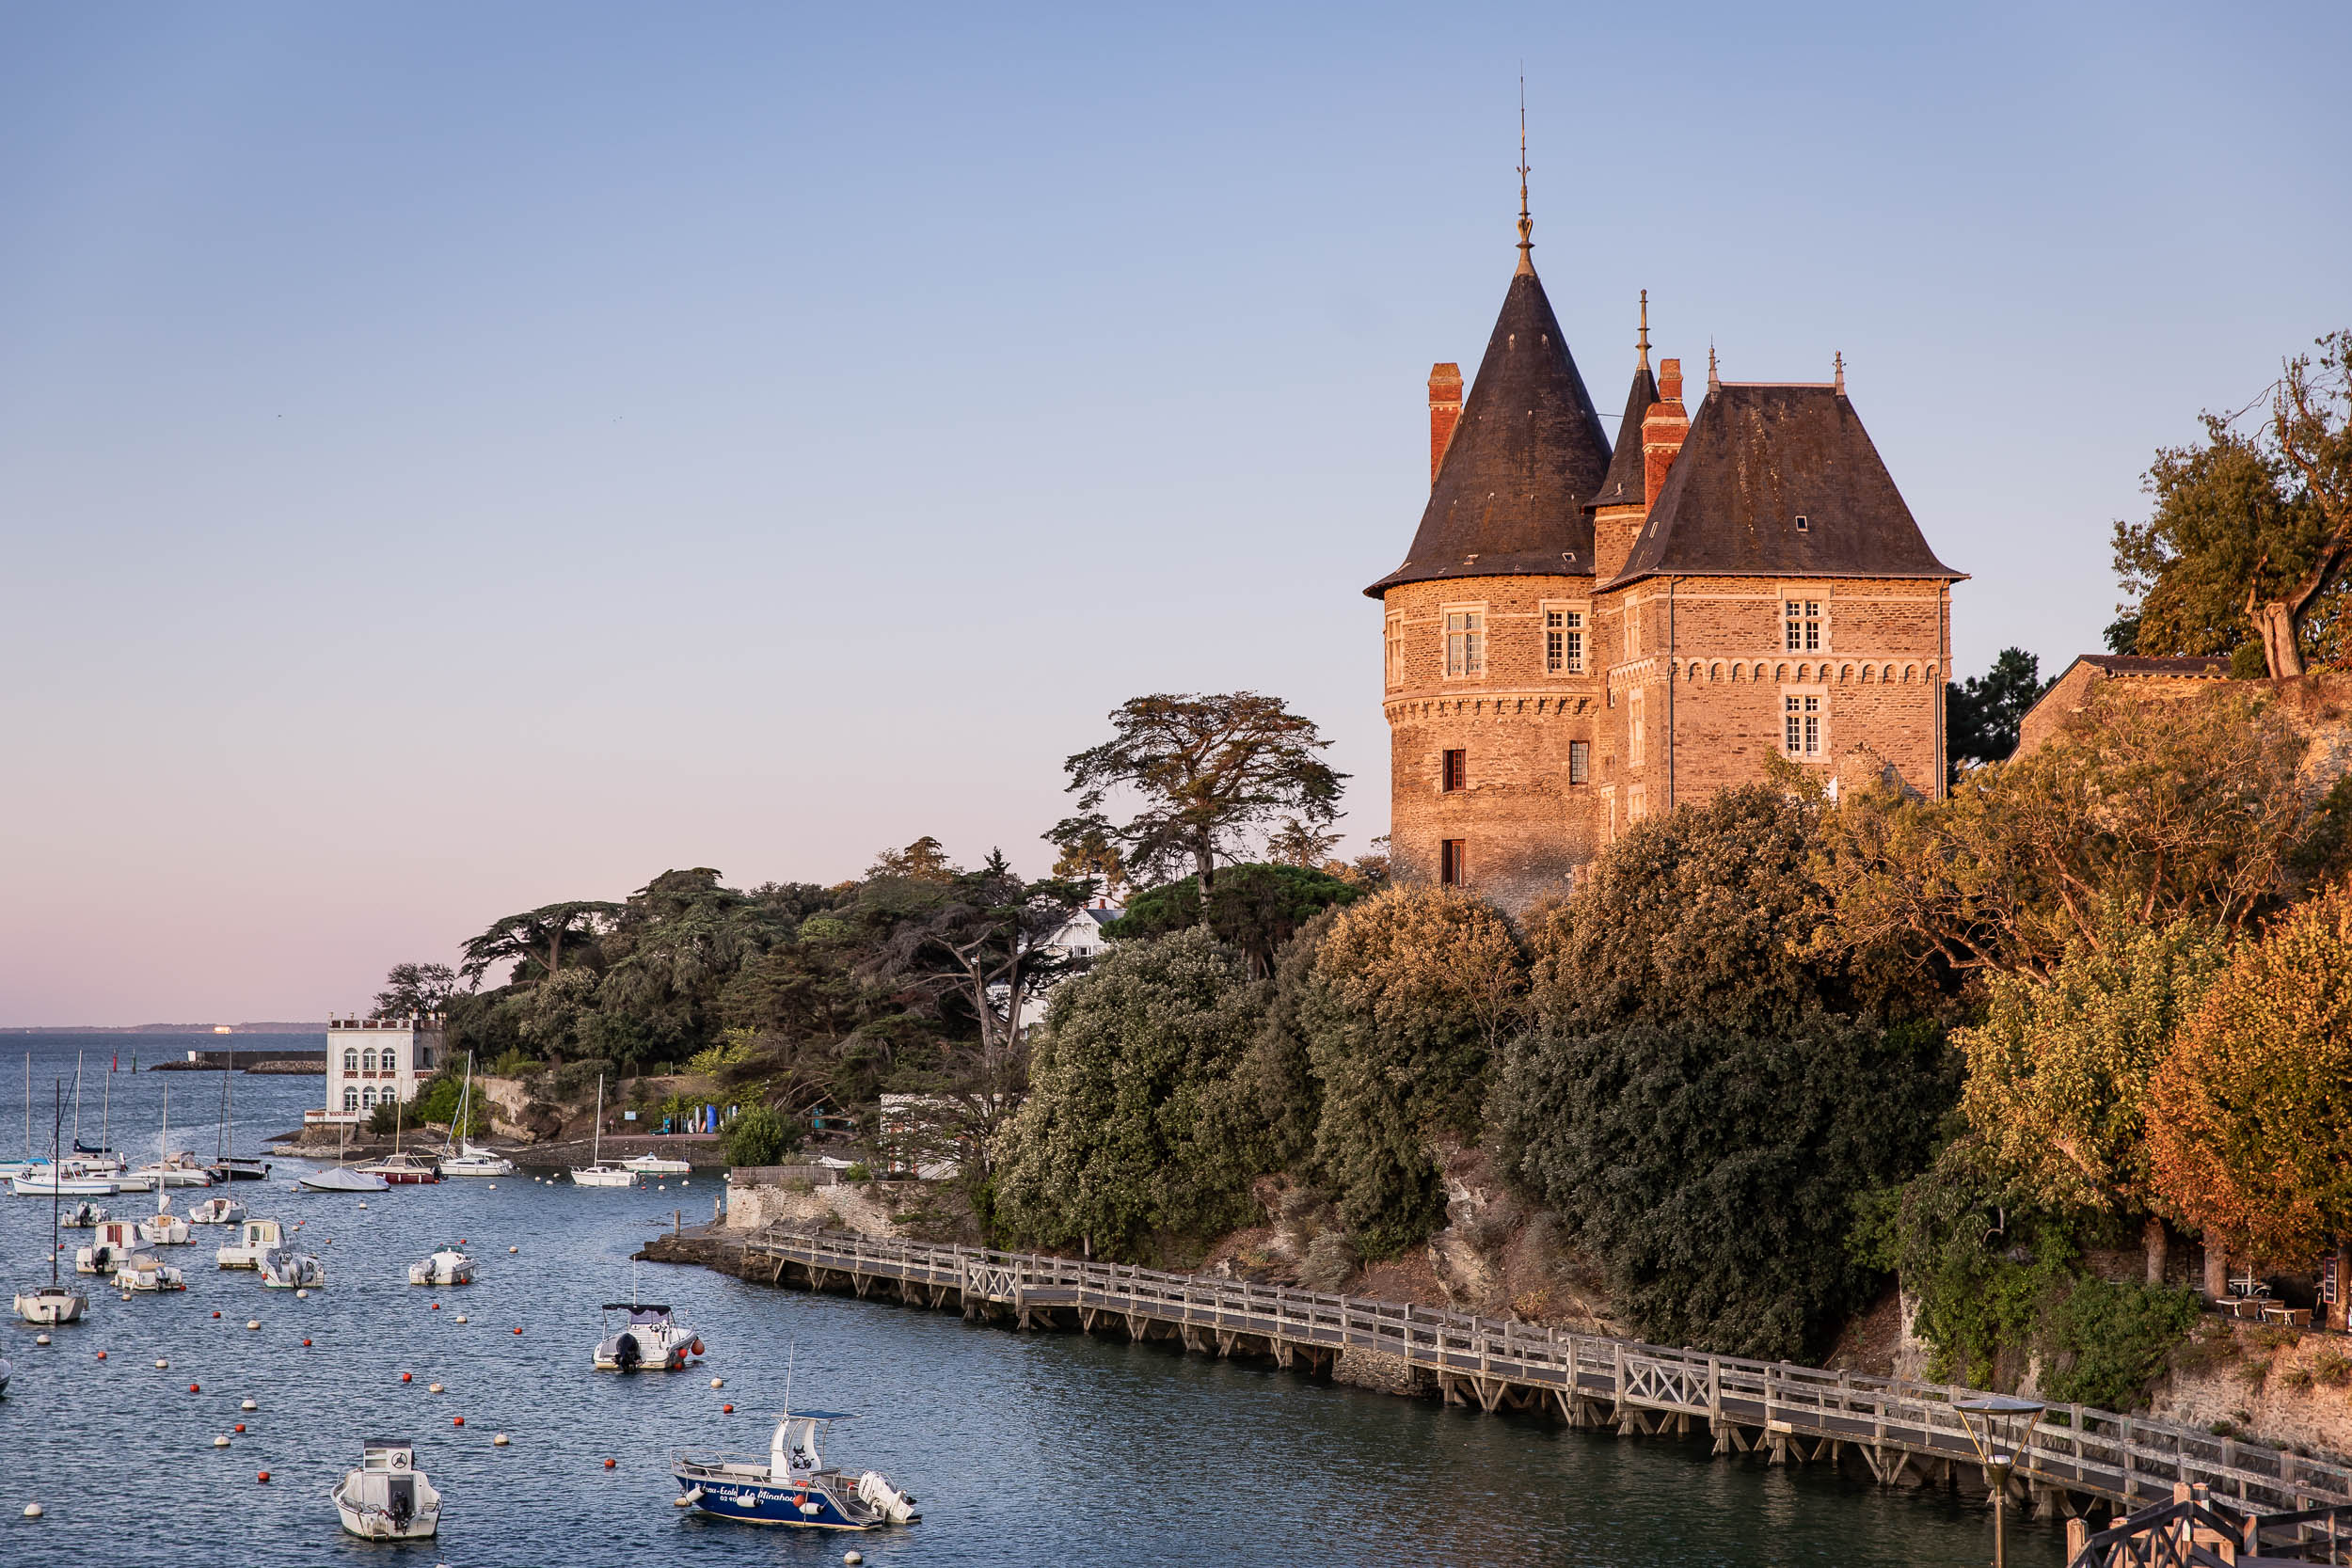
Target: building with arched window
x=375, y=1061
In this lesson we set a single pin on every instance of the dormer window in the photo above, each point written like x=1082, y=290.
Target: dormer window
x=1805, y=524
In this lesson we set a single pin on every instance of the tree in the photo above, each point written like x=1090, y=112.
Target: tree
x=416, y=991
x=758, y=1137
x=2058, y=1070
x=1714, y=1170
x=1135, y=1131
x=669, y=957
x=1297, y=842
x=924, y=861
x=2169, y=810
x=1092, y=854
x=1981, y=714
x=2250, y=532
x=1255, y=908
x=535, y=940
x=1412, y=991
x=2251, y=1129
x=1211, y=773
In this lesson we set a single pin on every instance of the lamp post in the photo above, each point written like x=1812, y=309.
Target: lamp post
x=2007, y=1422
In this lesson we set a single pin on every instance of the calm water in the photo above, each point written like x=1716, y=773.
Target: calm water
x=1047, y=1449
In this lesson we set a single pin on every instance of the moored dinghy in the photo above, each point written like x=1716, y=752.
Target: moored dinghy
x=81, y=1216
x=652, y=1341
x=387, y=1497
x=791, y=1484
x=146, y=1272
x=217, y=1211
x=448, y=1266
x=288, y=1270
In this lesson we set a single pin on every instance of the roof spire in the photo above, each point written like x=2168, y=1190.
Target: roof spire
x=1527, y=225
x=1840, y=362
x=1641, y=345
x=1714, y=382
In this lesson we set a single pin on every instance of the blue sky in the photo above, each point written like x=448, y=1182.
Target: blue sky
x=455, y=457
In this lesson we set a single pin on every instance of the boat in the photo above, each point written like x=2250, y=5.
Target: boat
x=257, y=1240
x=288, y=1270
x=61, y=1182
x=83, y=1215
x=340, y=1178
x=179, y=1170
x=143, y=1271
x=447, y=1266
x=403, y=1170
x=387, y=1497
x=657, y=1165
x=790, y=1484
x=165, y=1229
x=650, y=1340
x=240, y=1167
x=6, y=1371
x=116, y=1241
x=462, y=1157
x=599, y=1174
x=226, y=1166
x=54, y=1303
x=217, y=1211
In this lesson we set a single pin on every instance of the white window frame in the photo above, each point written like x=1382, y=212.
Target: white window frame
x=1803, y=610
x=1637, y=726
x=1472, y=666
x=1805, y=722
x=1394, y=638
x=1567, y=623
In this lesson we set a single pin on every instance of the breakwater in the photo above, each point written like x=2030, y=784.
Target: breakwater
x=2076, y=1459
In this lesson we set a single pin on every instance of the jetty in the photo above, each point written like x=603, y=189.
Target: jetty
x=2072, y=1462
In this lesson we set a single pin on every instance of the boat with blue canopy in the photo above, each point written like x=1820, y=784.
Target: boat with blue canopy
x=790, y=1483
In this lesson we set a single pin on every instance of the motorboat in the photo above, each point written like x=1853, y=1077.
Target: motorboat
x=143, y=1271
x=83, y=1215
x=657, y=1165
x=6, y=1371
x=54, y=1303
x=109, y=1249
x=238, y=1167
x=448, y=1266
x=650, y=1340
x=344, y=1179
x=257, y=1240
x=217, y=1211
x=387, y=1497
x=407, y=1169
x=288, y=1270
x=180, y=1170
x=791, y=1484
x=598, y=1173
x=463, y=1157
x=61, y=1182
x=164, y=1228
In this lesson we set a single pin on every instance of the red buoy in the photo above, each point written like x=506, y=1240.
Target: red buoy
x=404, y=1377
x=216, y=1314
x=457, y=1420
x=194, y=1389
x=262, y=1477
x=436, y=1306
x=726, y=1410
x=518, y=1330
x=305, y=1344
x=608, y=1464
x=101, y=1355
x=240, y=1426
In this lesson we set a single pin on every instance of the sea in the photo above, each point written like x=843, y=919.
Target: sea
x=1047, y=1449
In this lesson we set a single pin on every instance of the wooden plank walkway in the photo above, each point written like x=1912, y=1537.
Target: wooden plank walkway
x=1902, y=1430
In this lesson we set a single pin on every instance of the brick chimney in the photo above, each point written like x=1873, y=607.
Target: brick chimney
x=1662, y=430
x=1445, y=408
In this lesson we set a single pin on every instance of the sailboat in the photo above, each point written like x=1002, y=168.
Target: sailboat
x=227, y=1166
x=11, y=1168
x=340, y=1178
x=169, y=1170
x=599, y=1174
x=407, y=1170
x=55, y=1302
x=462, y=1158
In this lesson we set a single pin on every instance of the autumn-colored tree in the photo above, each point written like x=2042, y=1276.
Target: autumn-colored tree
x=2057, y=1072
x=2167, y=810
x=924, y=861
x=2250, y=1124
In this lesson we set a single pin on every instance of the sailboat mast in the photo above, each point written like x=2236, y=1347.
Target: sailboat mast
x=77, y=1100
x=595, y=1133
x=162, y=1156
x=54, y=1182
x=105, y=1108
x=220, y=1145
x=29, y=1106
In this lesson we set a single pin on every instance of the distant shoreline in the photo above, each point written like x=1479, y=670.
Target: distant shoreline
x=318, y=1028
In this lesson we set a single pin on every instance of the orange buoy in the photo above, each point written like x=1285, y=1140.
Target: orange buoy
x=457, y=1420
x=194, y=1389
x=404, y=1377
x=305, y=1344
x=436, y=1306
x=518, y=1330
x=262, y=1477
x=240, y=1426
x=216, y=1314
x=726, y=1410
x=101, y=1355
x=608, y=1464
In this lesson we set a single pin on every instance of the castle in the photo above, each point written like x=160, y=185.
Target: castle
x=1582, y=635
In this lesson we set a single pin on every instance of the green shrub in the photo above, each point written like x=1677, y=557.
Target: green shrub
x=858, y=1171
x=2105, y=1343
x=761, y=1137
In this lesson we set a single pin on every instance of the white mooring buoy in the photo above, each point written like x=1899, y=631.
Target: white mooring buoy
x=161, y=1364
x=853, y=1559
x=33, y=1510
x=221, y=1442
x=461, y=1317
x=40, y=1339
x=500, y=1441
x=718, y=1383
x=302, y=1293
x=249, y=1404
x=252, y=1323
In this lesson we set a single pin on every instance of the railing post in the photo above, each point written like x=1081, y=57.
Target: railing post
x=1714, y=1392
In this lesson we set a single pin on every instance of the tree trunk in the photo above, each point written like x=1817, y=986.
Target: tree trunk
x=2281, y=647
x=2153, y=1237
x=2216, y=1267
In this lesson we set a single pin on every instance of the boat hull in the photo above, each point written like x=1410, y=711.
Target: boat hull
x=753, y=1502
x=43, y=1306
x=594, y=1178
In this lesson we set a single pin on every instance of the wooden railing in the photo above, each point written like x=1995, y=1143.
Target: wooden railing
x=2125, y=1458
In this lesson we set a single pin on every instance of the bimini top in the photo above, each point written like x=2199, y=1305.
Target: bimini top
x=638, y=1309
x=1526, y=455
x=1780, y=480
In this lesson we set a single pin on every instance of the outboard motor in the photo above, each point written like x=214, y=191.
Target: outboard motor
x=627, y=1354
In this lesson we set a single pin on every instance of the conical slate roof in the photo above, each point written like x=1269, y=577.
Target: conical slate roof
x=1623, y=484
x=1527, y=453
x=1761, y=456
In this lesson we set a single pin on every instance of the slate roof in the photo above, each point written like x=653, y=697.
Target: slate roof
x=1527, y=452
x=1759, y=456
x=1623, y=484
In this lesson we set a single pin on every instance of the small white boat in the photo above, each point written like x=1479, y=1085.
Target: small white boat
x=448, y=1266
x=464, y=1158
x=342, y=1179
x=81, y=1216
x=109, y=1249
x=164, y=1228
x=288, y=1270
x=658, y=1165
x=409, y=1169
x=6, y=1371
x=180, y=1170
x=217, y=1211
x=598, y=1173
x=651, y=1340
x=387, y=1497
x=146, y=1272
x=259, y=1239
x=44, y=1185
x=52, y=1302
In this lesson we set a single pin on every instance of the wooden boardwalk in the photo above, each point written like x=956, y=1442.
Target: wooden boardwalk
x=1897, y=1431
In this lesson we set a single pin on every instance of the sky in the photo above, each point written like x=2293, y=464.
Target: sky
x=454, y=458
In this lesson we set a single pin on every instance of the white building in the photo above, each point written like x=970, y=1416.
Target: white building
x=1079, y=937
x=375, y=1061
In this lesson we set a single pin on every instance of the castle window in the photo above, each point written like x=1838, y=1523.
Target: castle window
x=1801, y=619
x=1579, y=761
x=1455, y=773
x=1636, y=707
x=1465, y=643
x=1801, y=732
x=1452, y=869
x=1395, y=650
x=1636, y=803
x=1563, y=640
